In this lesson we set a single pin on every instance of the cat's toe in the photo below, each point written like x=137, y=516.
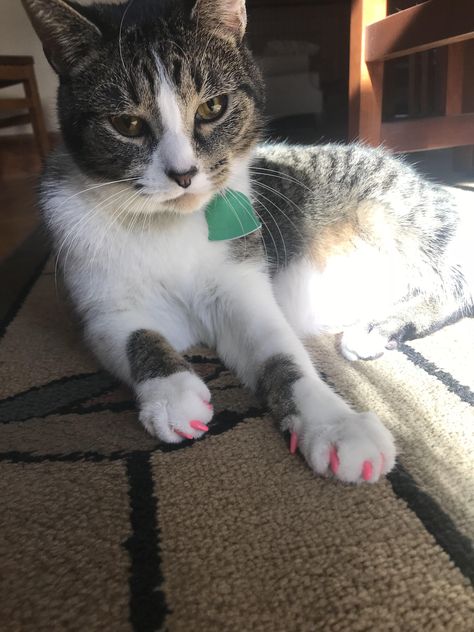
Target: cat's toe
x=358, y=449
x=359, y=344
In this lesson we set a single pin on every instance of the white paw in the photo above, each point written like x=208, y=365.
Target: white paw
x=176, y=407
x=357, y=448
x=354, y=447
x=359, y=344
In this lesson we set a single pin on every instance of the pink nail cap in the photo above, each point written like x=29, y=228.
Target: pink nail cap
x=293, y=442
x=334, y=460
x=367, y=470
x=382, y=463
x=198, y=425
x=208, y=404
x=185, y=435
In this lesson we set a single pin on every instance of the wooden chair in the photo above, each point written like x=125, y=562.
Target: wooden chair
x=377, y=38
x=15, y=70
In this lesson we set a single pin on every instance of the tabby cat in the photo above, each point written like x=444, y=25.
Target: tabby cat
x=161, y=111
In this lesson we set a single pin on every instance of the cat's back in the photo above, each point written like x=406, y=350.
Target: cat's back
x=337, y=172
x=306, y=192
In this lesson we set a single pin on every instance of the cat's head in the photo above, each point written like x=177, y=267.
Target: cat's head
x=161, y=92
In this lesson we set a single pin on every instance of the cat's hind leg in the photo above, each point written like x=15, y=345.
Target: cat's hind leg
x=415, y=317
x=363, y=342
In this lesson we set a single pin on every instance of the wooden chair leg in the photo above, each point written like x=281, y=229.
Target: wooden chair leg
x=413, y=106
x=463, y=157
x=365, y=80
x=455, y=79
x=36, y=112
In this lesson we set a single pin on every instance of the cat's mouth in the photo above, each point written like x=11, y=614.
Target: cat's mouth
x=187, y=202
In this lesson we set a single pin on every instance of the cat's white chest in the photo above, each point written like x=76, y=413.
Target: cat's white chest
x=167, y=276
x=175, y=255
x=171, y=265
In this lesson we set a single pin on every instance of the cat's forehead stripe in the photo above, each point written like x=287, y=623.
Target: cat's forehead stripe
x=171, y=115
x=176, y=151
x=150, y=74
x=177, y=68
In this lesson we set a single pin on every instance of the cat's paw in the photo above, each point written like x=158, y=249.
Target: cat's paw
x=354, y=448
x=359, y=344
x=176, y=407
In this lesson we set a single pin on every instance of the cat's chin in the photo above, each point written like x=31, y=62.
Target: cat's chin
x=188, y=203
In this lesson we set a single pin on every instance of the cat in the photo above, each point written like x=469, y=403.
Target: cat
x=161, y=110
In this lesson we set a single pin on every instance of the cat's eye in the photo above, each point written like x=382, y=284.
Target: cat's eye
x=130, y=126
x=212, y=110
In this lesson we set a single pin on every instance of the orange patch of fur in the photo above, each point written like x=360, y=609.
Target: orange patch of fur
x=336, y=239
x=368, y=222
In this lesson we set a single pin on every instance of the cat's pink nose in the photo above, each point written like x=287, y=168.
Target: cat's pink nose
x=184, y=179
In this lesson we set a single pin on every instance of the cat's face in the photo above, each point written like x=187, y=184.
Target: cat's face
x=163, y=93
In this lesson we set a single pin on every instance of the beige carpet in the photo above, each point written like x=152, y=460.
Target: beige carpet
x=103, y=529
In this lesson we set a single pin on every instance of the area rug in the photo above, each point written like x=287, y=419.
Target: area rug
x=103, y=529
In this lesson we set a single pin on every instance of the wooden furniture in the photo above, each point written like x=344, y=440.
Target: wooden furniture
x=16, y=70
x=377, y=38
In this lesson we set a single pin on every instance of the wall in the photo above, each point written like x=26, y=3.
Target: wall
x=17, y=37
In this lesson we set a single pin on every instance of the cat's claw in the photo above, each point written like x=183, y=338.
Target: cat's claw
x=382, y=464
x=198, y=425
x=195, y=425
x=185, y=435
x=293, y=443
x=367, y=470
x=333, y=460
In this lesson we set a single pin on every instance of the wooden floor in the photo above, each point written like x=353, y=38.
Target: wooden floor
x=18, y=213
x=19, y=169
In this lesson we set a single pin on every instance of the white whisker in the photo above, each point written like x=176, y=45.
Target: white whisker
x=265, y=186
x=95, y=186
x=237, y=216
x=81, y=223
x=120, y=34
x=275, y=222
x=122, y=210
x=273, y=173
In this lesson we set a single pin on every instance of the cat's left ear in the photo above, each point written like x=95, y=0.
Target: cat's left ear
x=227, y=17
x=66, y=34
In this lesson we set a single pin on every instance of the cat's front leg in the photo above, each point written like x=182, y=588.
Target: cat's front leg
x=353, y=446
x=255, y=339
x=174, y=403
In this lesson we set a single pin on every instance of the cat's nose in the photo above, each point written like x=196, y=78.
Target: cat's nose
x=184, y=179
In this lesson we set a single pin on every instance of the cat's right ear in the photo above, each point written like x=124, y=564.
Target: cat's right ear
x=225, y=17
x=67, y=35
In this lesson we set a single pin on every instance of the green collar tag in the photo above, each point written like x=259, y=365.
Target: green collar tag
x=230, y=215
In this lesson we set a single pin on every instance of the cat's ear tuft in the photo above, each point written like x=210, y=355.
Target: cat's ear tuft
x=67, y=35
x=228, y=17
